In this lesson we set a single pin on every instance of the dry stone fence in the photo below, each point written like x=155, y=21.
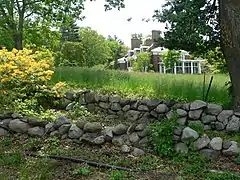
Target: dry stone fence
x=139, y=113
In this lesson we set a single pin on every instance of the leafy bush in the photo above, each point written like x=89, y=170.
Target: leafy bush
x=142, y=62
x=161, y=136
x=170, y=58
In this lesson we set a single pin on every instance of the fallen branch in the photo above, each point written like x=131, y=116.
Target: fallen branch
x=76, y=160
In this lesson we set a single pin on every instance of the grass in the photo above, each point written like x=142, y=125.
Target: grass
x=14, y=165
x=153, y=85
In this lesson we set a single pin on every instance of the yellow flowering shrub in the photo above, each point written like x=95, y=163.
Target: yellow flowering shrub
x=25, y=67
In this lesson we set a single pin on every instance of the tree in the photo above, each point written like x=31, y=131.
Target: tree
x=199, y=25
x=171, y=57
x=70, y=32
x=15, y=13
x=142, y=62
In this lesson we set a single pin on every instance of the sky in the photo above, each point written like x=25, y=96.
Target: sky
x=115, y=22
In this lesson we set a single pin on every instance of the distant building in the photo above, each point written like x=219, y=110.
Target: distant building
x=186, y=64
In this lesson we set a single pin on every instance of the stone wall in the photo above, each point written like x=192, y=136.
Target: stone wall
x=139, y=113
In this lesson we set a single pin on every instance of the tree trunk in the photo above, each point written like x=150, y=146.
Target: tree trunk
x=230, y=42
x=19, y=34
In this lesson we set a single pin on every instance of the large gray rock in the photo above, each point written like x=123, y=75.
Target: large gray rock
x=124, y=101
x=64, y=128
x=108, y=133
x=198, y=104
x=162, y=108
x=60, y=121
x=3, y=132
x=226, y=144
x=49, y=127
x=134, y=138
x=196, y=114
x=202, y=142
x=132, y=115
x=120, y=129
x=144, y=133
x=89, y=137
x=104, y=98
x=153, y=103
x=143, y=142
x=181, y=147
x=170, y=115
x=99, y=140
x=81, y=123
x=214, y=109
x=182, y=121
x=138, y=152
x=36, y=122
x=189, y=135
x=104, y=105
x=121, y=140
x=140, y=127
x=125, y=149
x=55, y=133
x=126, y=108
x=208, y=119
x=92, y=127
x=181, y=112
x=75, y=132
x=90, y=97
x=216, y=143
x=219, y=126
x=225, y=114
x=19, y=126
x=210, y=153
x=116, y=107
x=36, y=131
x=114, y=99
x=233, y=150
x=233, y=125
x=4, y=123
x=143, y=108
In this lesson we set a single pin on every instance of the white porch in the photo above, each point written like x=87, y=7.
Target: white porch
x=183, y=67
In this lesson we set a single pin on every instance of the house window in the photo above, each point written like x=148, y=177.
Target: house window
x=187, y=67
x=195, y=68
x=179, y=69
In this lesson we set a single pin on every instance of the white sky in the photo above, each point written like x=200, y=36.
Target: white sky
x=115, y=22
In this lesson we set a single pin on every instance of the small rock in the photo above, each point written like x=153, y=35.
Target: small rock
x=97, y=97
x=125, y=149
x=189, y=135
x=181, y=112
x=219, y=126
x=162, y=108
x=182, y=121
x=104, y=105
x=36, y=122
x=4, y=123
x=210, y=153
x=116, y=107
x=170, y=115
x=60, y=121
x=120, y=129
x=186, y=107
x=225, y=114
x=207, y=127
x=18, y=126
x=92, y=127
x=132, y=115
x=90, y=97
x=108, y=133
x=140, y=127
x=198, y=104
x=99, y=140
x=91, y=107
x=143, y=142
x=153, y=103
x=181, y=147
x=144, y=133
x=176, y=138
x=55, y=133
x=124, y=101
x=120, y=140
x=131, y=128
x=49, y=127
x=104, y=98
x=75, y=132
x=214, y=109
x=208, y=119
x=114, y=99
x=178, y=131
x=126, y=108
x=81, y=123
x=226, y=144
x=69, y=95
x=81, y=100
x=16, y=116
x=3, y=132
x=36, y=131
x=89, y=137
x=154, y=114
x=134, y=138
x=233, y=125
x=64, y=128
x=202, y=142
x=216, y=143
x=143, y=108
x=196, y=114
x=70, y=106
x=138, y=152
x=233, y=150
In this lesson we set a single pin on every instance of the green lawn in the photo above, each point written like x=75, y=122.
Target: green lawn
x=163, y=86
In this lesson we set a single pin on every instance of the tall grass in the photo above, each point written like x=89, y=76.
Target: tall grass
x=154, y=85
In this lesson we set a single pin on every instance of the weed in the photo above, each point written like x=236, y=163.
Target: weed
x=82, y=170
x=199, y=127
x=11, y=158
x=117, y=175
x=6, y=141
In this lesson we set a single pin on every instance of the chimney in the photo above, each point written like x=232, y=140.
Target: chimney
x=135, y=43
x=155, y=35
